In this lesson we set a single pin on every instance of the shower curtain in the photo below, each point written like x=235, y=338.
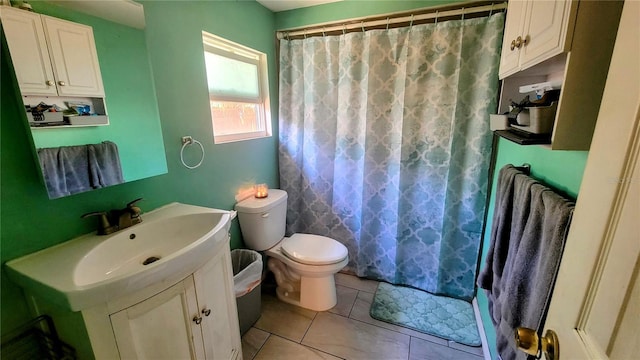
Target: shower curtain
x=385, y=145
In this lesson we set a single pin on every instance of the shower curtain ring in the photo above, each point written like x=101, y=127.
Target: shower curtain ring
x=344, y=29
x=411, y=23
x=323, y=33
x=436, y=23
x=491, y=10
x=462, y=13
x=305, y=33
x=387, y=23
x=362, y=26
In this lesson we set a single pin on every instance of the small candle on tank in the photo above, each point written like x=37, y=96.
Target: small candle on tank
x=262, y=191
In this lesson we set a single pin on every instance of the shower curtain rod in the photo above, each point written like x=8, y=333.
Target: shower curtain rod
x=397, y=19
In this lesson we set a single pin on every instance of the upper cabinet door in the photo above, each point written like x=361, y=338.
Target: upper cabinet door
x=510, y=57
x=536, y=31
x=546, y=33
x=28, y=48
x=73, y=57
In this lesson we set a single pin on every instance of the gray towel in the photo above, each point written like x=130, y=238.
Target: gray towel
x=70, y=170
x=528, y=234
x=65, y=170
x=104, y=164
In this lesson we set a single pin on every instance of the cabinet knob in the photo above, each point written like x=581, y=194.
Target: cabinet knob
x=50, y=83
x=62, y=83
x=206, y=312
x=519, y=42
x=197, y=319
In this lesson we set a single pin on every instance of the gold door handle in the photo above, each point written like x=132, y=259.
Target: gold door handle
x=62, y=83
x=527, y=340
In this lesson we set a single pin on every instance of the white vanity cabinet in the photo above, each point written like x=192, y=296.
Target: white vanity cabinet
x=52, y=57
x=193, y=319
x=535, y=31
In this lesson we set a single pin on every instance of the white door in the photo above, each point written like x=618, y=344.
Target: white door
x=595, y=309
x=220, y=330
x=161, y=327
x=28, y=48
x=73, y=57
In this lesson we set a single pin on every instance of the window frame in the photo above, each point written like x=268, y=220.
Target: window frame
x=222, y=47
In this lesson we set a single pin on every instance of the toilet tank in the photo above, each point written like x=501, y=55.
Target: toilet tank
x=262, y=221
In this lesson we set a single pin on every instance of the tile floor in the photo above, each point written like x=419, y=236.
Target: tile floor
x=347, y=331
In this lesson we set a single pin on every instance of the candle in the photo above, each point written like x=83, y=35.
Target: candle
x=262, y=191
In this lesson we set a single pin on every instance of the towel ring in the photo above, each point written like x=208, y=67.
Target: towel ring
x=188, y=140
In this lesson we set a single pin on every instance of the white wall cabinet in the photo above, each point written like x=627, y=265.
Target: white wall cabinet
x=568, y=42
x=535, y=31
x=193, y=319
x=51, y=56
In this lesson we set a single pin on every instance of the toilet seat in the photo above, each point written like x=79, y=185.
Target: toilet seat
x=313, y=249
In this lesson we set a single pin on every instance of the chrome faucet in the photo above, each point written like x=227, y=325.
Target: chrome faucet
x=117, y=219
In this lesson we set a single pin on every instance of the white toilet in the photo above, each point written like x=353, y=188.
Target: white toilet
x=304, y=265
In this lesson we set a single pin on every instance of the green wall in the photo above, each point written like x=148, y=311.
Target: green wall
x=562, y=170
x=29, y=221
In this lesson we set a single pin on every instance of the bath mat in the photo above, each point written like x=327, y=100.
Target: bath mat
x=448, y=318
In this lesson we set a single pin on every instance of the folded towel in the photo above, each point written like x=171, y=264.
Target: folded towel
x=528, y=234
x=104, y=164
x=70, y=170
x=65, y=170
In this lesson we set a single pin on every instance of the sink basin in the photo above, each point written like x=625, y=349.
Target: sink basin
x=171, y=243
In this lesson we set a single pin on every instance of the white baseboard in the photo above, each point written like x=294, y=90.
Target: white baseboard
x=483, y=335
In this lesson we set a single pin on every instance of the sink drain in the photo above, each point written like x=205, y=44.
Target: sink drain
x=150, y=259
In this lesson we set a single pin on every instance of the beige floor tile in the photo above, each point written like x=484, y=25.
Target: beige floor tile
x=476, y=350
x=352, y=339
x=284, y=319
x=252, y=341
x=426, y=350
x=360, y=312
x=355, y=282
x=277, y=348
x=346, y=298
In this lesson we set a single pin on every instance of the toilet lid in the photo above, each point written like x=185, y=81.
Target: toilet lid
x=313, y=249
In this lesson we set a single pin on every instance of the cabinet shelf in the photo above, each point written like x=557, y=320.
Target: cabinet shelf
x=522, y=138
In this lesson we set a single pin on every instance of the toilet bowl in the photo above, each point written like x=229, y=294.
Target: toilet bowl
x=304, y=265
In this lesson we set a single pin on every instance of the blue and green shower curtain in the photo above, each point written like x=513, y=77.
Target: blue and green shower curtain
x=385, y=146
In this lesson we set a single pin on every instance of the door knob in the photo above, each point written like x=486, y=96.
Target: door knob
x=527, y=340
x=50, y=83
x=62, y=83
x=197, y=319
x=206, y=312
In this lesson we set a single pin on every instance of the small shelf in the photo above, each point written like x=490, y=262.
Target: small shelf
x=523, y=138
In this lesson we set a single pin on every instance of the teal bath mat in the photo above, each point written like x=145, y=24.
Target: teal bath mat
x=448, y=318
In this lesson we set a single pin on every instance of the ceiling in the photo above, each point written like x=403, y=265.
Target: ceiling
x=282, y=5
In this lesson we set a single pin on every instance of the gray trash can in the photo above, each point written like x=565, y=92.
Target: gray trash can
x=247, y=275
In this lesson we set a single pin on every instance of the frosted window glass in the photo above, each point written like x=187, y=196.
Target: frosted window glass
x=229, y=77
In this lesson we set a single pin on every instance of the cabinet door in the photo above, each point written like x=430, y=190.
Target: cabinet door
x=161, y=327
x=510, y=59
x=28, y=48
x=547, y=31
x=73, y=57
x=220, y=329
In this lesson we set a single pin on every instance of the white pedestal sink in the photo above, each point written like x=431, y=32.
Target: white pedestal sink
x=161, y=288
x=94, y=269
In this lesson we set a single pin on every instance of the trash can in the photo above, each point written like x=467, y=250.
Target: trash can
x=247, y=275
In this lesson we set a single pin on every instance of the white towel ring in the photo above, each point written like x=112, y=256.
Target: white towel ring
x=188, y=140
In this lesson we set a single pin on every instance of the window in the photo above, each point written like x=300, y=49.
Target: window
x=238, y=90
